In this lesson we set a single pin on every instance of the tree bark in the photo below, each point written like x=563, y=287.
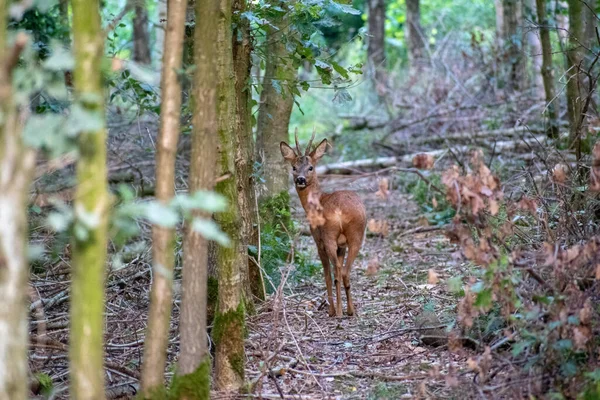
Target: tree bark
x=141, y=36
x=376, y=42
x=16, y=167
x=535, y=48
x=163, y=239
x=228, y=325
x=513, y=40
x=160, y=28
x=194, y=362
x=498, y=4
x=92, y=200
x=415, y=36
x=242, y=50
x=574, y=59
x=547, y=70
x=276, y=103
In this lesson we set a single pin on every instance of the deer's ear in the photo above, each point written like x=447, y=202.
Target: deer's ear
x=287, y=152
x=320, y=150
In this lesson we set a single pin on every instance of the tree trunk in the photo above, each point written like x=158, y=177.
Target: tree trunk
x=242, y=50
x=415, y=37
x=228, y=325
x=92, y=198
x=535, y=48
x=194, y=362
x=163, y=239
x=376, y=42
x=276, y=103
x=574, y=58
x=547, y=70
x=16, y=166
x=498, y=4
x=141, y=36
x=160, y=28
x=513, y=44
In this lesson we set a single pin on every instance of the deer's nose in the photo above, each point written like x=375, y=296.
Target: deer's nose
x=300, y=180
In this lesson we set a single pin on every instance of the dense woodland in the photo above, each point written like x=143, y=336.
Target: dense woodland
x=159, y=238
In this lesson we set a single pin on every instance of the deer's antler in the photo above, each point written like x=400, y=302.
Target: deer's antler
x=308, y=148
x=297, y=143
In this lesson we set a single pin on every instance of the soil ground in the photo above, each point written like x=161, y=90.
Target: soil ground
x=297, y=351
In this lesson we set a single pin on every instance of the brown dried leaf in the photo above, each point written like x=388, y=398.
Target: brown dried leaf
x=432, y=277
x=379, y=227
x=434, y=202
x=383, y=192
x=372, y=266
x=559, y=173
x=581, y=336
x=585, y=314
x=494, y=207
x=423, y=161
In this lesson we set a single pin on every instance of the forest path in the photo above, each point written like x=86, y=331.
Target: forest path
x=296, y=350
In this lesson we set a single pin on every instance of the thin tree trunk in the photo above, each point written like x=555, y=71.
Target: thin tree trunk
x=498, y=4
x=16, y=166
x=547, y=70
x=276, y=103
x=92, y=198
x=163, y=239
x=513, y=44
x=194, y=362
x=141, y=36
x=414, y=34
x=242, y=50
x=535, y=48
x=376, y=42
x=160, y=28
x=228, y=325
x=574, y=59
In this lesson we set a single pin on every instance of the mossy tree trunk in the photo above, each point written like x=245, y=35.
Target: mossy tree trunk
x=92, y=200
x=276, y=104
x=193, y=375
x=141, y=35
x=163, y=239
x=574, y=59
x=547, y=70
x=228, y=330
x=16, y=165
x=242, y=49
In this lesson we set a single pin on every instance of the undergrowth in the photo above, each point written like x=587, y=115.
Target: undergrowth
x=277, y=232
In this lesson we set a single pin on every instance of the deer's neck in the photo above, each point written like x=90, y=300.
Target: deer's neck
x=314, y=189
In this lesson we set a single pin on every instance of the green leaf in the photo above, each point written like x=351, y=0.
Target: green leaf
x=342, y=96
x=519, y=347
x=59, y=222
x=455, y=284
x=210, y=230
x=203, y=200
x=569, y=369
x=484, y=298
x=60, y=60
x=346, y=9
x=340, y=70
x=159, y=214
x=477, y=287
x=83, y=120
x=563, y=344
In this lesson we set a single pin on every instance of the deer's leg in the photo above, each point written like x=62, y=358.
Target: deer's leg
x=331, y=247
x=352, y=253
x=327, y=273
x=341, y=254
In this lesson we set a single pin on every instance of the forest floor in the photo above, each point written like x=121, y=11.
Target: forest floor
x=296, y=351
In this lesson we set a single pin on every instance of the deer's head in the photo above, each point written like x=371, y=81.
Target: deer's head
x=304, y=165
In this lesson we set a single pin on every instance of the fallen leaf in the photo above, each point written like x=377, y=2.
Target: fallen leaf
x=432, y=277
x=383, y=192
x=559, y=173
x=372, y=266
x=423, y=161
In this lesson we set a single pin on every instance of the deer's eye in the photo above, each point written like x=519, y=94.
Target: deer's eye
x=294, y=169
x=310, y=168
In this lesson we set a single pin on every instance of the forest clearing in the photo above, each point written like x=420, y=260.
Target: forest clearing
x=308, y=199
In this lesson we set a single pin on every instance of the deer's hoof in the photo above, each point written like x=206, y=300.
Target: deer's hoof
x=331, y=311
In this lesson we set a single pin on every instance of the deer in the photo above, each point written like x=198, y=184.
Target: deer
x=337, y=220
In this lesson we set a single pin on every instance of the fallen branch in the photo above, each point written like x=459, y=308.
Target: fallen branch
x=384, y=162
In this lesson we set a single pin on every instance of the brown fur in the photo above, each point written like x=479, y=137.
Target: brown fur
x=344, y=227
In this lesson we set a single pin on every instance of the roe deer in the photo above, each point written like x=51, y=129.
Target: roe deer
x=337, y=220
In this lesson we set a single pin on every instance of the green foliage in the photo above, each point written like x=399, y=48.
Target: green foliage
x=433, y=204
x=224, y=324
x=46, y=384
x=277, y=230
